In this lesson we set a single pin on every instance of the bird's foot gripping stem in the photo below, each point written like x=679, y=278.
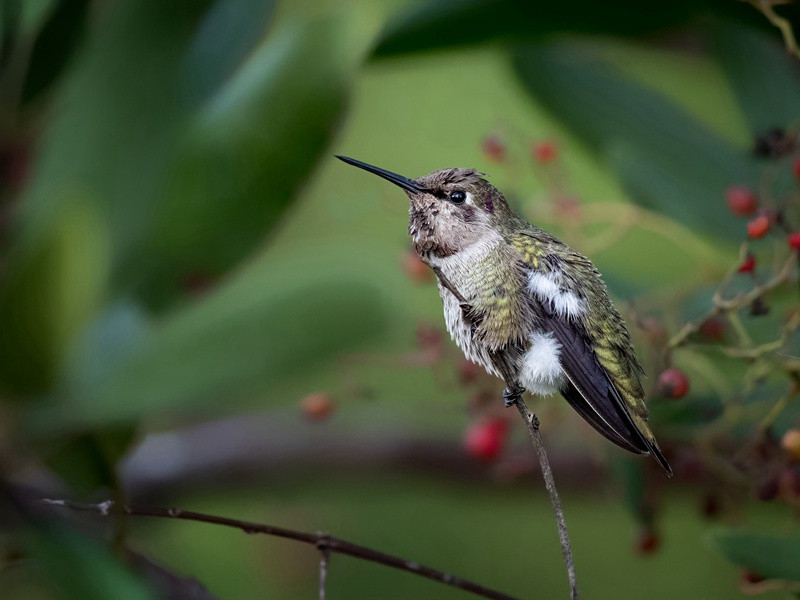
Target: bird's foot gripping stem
x=512, y=394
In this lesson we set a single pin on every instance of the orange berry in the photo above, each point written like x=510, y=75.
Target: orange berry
x=758, y=227
x=790, y=442
x=318, y=406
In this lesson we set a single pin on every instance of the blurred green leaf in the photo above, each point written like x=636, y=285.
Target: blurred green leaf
x=629, y=472
x=53, y=285
x=442, y=24
x=182, y=175
x=55, y=45
x=669, y=161
x=79, y=567
x=771, y=557
x=251, y=147
x=33, y=14
x=764, y=77
x=209, y=64
x=682, y=417
x=240, y=341
x=193, y=167
x=87, y=462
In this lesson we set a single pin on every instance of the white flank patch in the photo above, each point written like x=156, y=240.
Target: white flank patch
x=541, y=368
x=545, y=287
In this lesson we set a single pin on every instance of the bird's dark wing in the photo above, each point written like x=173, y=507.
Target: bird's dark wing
x=593, y=395
x=597, y=356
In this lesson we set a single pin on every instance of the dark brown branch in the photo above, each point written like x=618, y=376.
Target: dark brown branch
x=323, y=542
x=532, y=422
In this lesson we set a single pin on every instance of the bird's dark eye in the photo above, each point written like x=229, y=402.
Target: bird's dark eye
x=458, y=196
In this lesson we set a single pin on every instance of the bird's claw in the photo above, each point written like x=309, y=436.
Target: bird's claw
x=512, y=395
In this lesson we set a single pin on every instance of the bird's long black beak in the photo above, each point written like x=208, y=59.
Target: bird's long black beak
x=404, y=182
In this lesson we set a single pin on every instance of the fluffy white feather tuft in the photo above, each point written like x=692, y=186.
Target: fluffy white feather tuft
x=545, y=287
x=541, y=368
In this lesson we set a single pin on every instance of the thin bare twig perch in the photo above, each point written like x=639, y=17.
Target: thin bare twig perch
x=323, y=570
x=532, y=421
x=323, y=542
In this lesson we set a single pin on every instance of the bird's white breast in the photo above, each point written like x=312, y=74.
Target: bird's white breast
x=461, y=269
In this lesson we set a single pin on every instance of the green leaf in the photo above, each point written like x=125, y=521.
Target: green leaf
x=191, y=168
x=769, y=556
x=250, y=148
x=34, y=14
x=682, y=417
x=263, y=328
x=79, y=567
x=55, y=45
x=764, y=77
x=208, y=65
x=54, y=284
x=439, y=24
x=668, y=160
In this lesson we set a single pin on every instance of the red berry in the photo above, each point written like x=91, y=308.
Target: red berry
x=794, y=240
x=568, y=206
x=468, y=371
x=673, y=383
x=741, y=200
x=416, y=270
x=544, y=152
x=748, y=264
x=493, y=148
x=796, y=168
x=751, y=577
x=197, y=283
x=712, y=329
x=648, y=542
x=318, y=406
x=485, y=439
x=758, y=227
x=768, y=490
x=711, y=506
x=789, y=481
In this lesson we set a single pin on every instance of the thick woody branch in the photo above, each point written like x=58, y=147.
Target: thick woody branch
x=325, y=543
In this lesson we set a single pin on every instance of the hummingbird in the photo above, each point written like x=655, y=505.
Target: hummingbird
x=525, y=306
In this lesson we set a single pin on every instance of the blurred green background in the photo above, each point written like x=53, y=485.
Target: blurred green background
x=201, y=307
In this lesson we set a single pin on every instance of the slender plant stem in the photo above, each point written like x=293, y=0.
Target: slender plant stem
x=323, y=571
x=532, y=422
x=323, y=542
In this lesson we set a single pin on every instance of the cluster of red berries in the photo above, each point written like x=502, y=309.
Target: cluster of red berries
x=495, y=150
x=743, y=202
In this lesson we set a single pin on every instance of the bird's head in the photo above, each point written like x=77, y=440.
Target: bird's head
x=449, y=209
